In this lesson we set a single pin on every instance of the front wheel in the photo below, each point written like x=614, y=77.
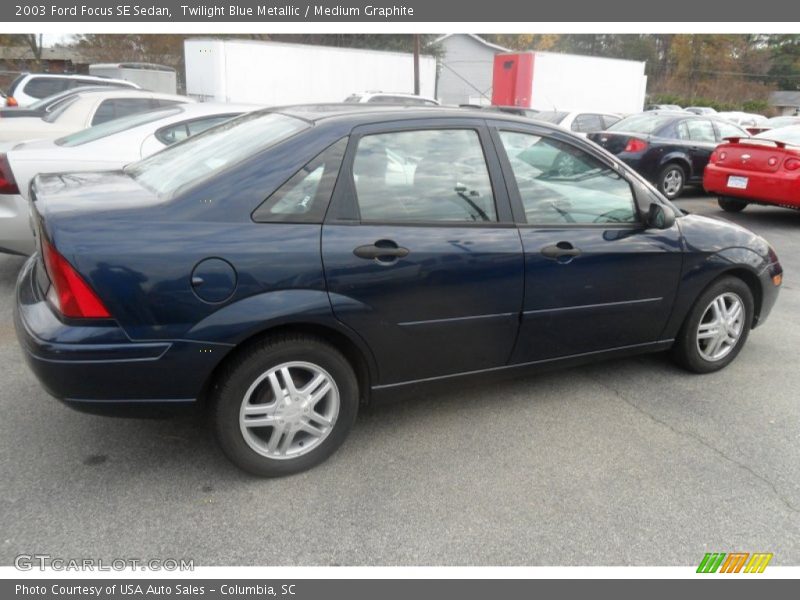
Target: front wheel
x=733, y=205
x=671, y=180
x=716, y=328
x=285, y=405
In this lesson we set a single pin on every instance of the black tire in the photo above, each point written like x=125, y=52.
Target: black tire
x=732, y=205
x=664, y=179
x=686, y=351
x=237, y=377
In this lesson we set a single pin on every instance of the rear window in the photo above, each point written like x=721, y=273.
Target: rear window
x=643, y=123
x=551, y=116
x=116, y=126
x=202, y=156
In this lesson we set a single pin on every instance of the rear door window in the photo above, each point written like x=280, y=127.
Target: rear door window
x=41, y=87
x=701, y=130
x=423, y=176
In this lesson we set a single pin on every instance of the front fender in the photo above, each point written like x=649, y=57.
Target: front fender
x=700, y=270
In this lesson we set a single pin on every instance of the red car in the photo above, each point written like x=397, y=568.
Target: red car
x=764, y=169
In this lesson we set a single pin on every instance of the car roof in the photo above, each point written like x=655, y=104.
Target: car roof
x=364, y=113
x=127, y=92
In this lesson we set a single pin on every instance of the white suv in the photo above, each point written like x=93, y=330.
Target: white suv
x=391, y=98
x=30, y=87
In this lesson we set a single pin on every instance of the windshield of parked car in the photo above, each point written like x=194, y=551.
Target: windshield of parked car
x=353, y=98
x=551, y=116
x=643, y=123
x=787, y=135
x=116, y=126
x=216, y=149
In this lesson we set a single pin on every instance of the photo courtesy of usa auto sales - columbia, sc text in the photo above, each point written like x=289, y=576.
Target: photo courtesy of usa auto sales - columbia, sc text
x=213, y=10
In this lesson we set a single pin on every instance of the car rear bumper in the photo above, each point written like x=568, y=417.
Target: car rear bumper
x=780, y=188
x=16, y=236
x=97, y=368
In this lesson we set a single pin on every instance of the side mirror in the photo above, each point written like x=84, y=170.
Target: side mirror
x=659, y=218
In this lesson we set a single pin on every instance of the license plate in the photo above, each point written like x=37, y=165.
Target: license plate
x=739, y=183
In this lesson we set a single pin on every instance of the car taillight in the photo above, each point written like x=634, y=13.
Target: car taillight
x=8, y=184
x=635, y=145
x=11, y=101
x=792, y=164
x=70, y=294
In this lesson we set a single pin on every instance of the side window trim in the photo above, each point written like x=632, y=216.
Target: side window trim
x=515, y=196
x=343, y=208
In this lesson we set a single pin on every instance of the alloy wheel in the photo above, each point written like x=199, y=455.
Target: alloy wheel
x=720, y=327
x=673, y=182
x=289, y=410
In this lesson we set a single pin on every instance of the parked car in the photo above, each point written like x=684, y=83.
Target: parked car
x=701, y=110
x=672, y=107
x=83, y=110
x=391, y=98
x=281, y=271
x=750, y=122
x=111, y=145
x=764, y=169
x=40, y=108
x=27, y=88
x=578, y=121
x=774, y=123
x=669, y=149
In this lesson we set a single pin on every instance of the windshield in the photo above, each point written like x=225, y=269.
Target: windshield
x=641, y=123
x=551, y=116
x=213, y=151
x=353, y=98
x=787, y=135
x=116, y=126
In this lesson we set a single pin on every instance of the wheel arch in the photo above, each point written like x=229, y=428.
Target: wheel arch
x=354, y=350
x=680, y=159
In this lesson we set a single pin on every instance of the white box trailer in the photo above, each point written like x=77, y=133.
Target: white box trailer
x=148, y=76
x=274, y=73
x=567, y=82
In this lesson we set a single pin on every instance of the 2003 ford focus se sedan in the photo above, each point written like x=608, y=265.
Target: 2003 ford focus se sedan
x=286, y=266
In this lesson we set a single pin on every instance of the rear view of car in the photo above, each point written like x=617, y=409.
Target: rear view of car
x=764, y=169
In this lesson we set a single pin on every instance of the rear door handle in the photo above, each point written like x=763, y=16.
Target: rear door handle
x=560, y=250
x=382, y=250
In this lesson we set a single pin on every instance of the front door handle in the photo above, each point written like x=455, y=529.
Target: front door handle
x=382, y=251
x=560, y=250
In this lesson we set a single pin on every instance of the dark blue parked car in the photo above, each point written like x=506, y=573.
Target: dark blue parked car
x=670, y=149
x=288, y=265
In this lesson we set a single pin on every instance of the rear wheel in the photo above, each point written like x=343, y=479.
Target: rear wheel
x=717, y=327
x=671, y=180
x=729, y=204
x=285, y=405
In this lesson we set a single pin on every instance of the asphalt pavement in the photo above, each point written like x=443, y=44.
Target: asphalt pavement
x=628, y=462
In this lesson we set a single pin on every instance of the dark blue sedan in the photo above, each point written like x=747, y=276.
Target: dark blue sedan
x=289, y=265
x=670, y=149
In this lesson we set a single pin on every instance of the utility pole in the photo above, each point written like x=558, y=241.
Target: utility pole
x=416, y=64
